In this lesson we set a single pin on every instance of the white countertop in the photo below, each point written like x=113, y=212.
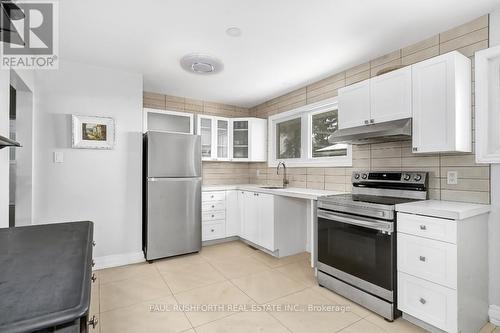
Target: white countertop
x=444, y=209
x=294, y=192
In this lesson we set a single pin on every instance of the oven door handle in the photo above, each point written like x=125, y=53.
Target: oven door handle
x=385, y=227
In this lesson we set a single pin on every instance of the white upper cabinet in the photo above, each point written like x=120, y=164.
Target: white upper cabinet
x=354, y=105
x=167, y=121
x=488, y=105
x=233, y=139
x=249, y=139
x=442, y=104
x=390, y=96
x=207, y=132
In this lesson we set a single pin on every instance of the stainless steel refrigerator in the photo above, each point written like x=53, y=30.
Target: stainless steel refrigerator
x=171, y=194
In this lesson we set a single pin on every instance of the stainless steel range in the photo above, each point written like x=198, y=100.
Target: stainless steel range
x=357, y=237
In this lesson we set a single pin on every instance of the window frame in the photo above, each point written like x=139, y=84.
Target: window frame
x=306, y=160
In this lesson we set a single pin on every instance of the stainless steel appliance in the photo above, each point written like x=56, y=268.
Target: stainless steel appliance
x=171, y=194
x=356, y=239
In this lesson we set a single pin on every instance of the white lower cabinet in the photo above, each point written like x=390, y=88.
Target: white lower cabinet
x=442, y=269
x=258, y=224
x=213, y=215
x=233, y=214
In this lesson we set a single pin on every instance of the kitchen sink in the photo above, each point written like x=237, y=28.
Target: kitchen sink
x=273, y=187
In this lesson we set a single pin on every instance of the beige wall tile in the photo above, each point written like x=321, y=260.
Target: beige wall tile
x=480, y=185
x=477, y=24
x=420, y=46
x=386, y=59
x=358, y=69
x=465, y=40
x=421, y=55
x=478, y=172
x=466, y=196
x=376, y=69
x=357, y=77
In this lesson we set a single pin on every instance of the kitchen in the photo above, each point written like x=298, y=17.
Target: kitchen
x=368, y=187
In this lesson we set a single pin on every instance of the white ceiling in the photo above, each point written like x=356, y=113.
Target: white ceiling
x=285, y=44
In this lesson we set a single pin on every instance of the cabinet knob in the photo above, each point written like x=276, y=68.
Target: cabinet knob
x=213, y=215
x=422, y=258
x=212, y=196
x=422, y=300
x=93, y=278
x=372, y=121
x=366, y=122
x=93, y=322
x=213, y=206
x=93, y=263
x=414, y=149
x=212, y=230
x=423, y=227
x=93, y=243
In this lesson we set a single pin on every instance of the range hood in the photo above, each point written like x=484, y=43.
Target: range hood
x=4, y=142
x=396, y=130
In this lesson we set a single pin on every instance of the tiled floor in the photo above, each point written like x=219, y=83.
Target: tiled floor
x=142, y=297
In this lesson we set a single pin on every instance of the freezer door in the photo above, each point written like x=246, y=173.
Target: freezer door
x=173, y=155
x=173, y=217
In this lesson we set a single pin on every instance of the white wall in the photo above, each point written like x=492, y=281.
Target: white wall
x=494, y=225
x=4, y=153
x=103, y=186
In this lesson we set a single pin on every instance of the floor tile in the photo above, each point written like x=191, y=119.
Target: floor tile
x=274, y=262
x=227, y=250
x=266, y=286
x=300, y=271
x=488, y=328
x=244, y=322
x=397, y=326
x=131, y=291
x=497, y=330
x=362, y=326
x=179, y=261
x=124, y=272
x=222, y=293
x=94, y=299
x=337, y=299
x=139, y=318
x=313, y=320
x=238, y=267
x=181, y=278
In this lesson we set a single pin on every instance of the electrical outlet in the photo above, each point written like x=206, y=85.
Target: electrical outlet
x=452, y=178
x=58, y=157
x=257, y=172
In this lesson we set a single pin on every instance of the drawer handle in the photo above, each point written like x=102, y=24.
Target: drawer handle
x=212, y=196
x=423, y=227
x=422, y=258
x=93, y=263
x=366, y=122
x=213, y=215
x=372, y=121
x=93, y=278
x=212, y=230
x=93, y=243
x=93, y=322
x=422, y=300
x=213, y=206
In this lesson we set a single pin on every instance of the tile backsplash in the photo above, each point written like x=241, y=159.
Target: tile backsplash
x=474, y=179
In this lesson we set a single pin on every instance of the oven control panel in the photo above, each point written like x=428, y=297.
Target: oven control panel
x=409, y=177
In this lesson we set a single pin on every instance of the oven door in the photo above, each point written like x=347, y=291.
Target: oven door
x=358, y=251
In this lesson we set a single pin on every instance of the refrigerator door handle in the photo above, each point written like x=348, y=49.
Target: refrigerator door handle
x=159, y=179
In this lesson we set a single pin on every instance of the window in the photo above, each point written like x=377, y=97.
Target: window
x=325, y=124
x=300, y=137
x=288, y=139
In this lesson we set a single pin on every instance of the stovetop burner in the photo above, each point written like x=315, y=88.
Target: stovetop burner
x=372, y=199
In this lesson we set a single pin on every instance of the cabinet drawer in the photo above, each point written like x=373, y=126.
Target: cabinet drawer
x=213, y=230
x=212, y=216
x=213, y=196
x=213, y=206
x=428, y=227
x=429, y=302
x=428, y=259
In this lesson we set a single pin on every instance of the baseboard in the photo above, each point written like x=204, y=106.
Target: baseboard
x=115, y=260
x=494, y=314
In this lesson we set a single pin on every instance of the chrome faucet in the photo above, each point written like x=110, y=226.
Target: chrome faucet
x=285, y=180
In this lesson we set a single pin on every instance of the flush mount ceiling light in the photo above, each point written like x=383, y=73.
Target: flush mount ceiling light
x=233, y=31
x=201, y=64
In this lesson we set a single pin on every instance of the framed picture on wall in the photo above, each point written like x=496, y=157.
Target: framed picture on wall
x=93, y=132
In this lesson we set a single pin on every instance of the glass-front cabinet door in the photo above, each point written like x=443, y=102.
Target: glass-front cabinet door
x=222, y=138
x=205, y=129
x=240, y=139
